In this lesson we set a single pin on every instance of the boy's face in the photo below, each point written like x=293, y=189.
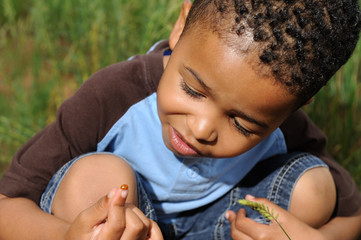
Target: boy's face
x=212, y=103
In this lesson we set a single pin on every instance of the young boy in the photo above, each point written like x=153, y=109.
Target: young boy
x=219, y=122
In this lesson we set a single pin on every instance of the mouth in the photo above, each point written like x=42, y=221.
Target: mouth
x=181, y=146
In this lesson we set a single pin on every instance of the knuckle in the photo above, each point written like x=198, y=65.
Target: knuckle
x=238, y=225
x=119, y=228
x=263, y=236
x=147, y=223
x=233, y=235
x=82, y=216
x=137, y=226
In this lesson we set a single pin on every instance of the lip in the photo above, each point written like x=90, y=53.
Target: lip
x=180, y=145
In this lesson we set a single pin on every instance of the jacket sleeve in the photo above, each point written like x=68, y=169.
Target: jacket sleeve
x=82, y=121
x=75, y=131
x=303, y=135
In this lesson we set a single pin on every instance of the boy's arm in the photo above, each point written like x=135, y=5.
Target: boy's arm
x=109, y=218
x=342, y=227
x=303, y=135
x=22, y=219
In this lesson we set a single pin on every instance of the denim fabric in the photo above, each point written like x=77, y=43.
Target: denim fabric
x=273, y=178
x=47, y=198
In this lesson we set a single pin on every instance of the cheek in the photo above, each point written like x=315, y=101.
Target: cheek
x=170, y=97
x=164, y=97
x=166, y=100
x=231, y=143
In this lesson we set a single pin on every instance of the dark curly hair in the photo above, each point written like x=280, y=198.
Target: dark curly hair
x=301, y=43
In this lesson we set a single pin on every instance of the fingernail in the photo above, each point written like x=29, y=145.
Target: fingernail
x=111, y=193
x=250, y=197
x=226, y=215
x=124, y=189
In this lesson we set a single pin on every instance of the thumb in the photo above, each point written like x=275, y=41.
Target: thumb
x=115, y=225
x=97, y=213
x=91, y=218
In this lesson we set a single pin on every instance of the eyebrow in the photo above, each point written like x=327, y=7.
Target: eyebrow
x=236, y=112
x=200, y=81
x=251, y=120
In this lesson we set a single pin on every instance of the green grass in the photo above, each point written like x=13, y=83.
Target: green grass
x=337, y=111
x=48, y=48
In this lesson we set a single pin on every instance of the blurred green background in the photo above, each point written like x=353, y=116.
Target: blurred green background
x=48, y=48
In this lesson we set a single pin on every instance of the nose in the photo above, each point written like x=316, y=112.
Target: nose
x=203, y=127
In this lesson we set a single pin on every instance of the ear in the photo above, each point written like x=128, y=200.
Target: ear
x=179, y=25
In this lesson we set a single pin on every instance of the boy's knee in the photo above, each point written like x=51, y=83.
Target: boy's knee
x=101, y=167
x=314, y=197
x=90, y=178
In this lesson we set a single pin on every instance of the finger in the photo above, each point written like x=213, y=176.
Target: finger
x=154, y=232
x=250, y=227
x=140, y=214
x=241, y=216
x=236, y=233
x=135, y=227
x=236, y=219
x=230, y=216
x=95, y=214
x=116, y=221
x=146, y=221
x=96, y=231
x=247, y=225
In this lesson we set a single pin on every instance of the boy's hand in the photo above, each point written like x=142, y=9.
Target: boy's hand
x=111, y=218
x=244, y=228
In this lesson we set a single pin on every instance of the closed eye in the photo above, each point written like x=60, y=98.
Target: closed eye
x=190, y=91
x=241, y=129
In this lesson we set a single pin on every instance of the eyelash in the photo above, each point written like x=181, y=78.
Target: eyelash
x=189, y=91
x=193, y=94
x=241, y=129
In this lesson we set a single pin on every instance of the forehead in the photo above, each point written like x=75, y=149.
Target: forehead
x=231, y=75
